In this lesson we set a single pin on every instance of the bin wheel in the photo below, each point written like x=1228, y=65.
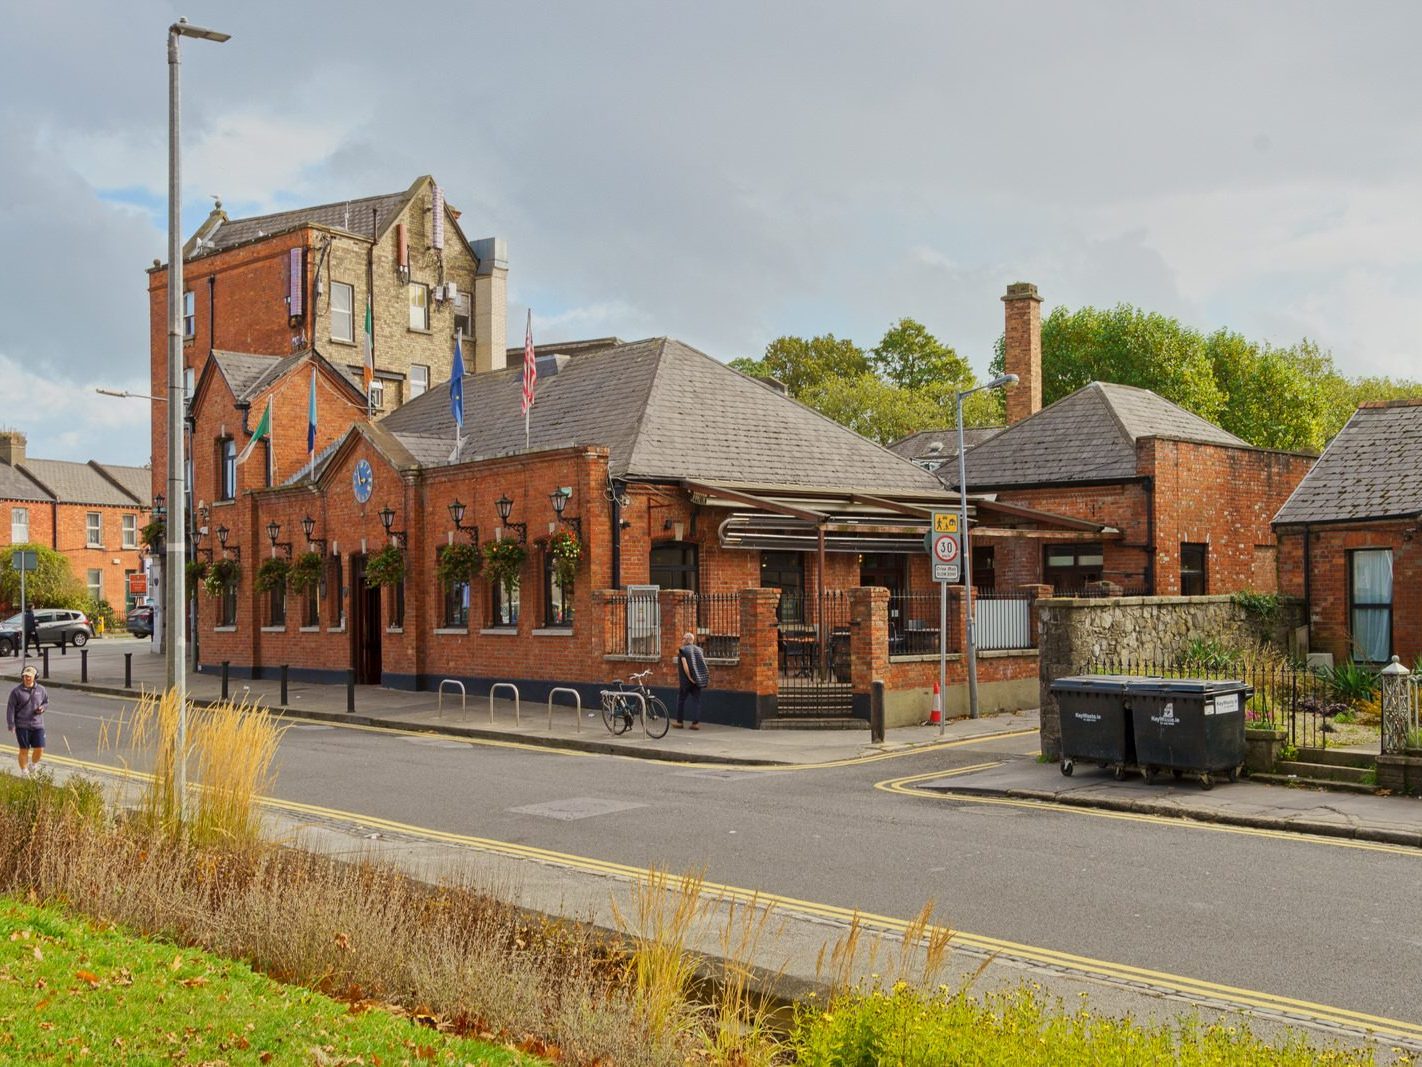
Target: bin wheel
x=1177, y=774
x=1234, y=774
x=1103, y=766
x=1119, y=773
x=1148, y=773
x=1207, y=781
x=1068, y=767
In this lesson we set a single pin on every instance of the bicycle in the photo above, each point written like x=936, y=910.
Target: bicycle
x=620, y=709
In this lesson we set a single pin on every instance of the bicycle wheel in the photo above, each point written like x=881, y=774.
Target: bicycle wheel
x=658, y=720
x=614, y=714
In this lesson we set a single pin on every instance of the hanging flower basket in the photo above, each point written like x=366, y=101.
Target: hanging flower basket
x=152, y=535
x=219, y=574
x=566, y=550
x=458, y=563
x=503, y=560
x=272, y=574
x=386, y=567
x=305, y=572
x=196, y=571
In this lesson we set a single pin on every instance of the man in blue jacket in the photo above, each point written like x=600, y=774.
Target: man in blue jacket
x=24, y=717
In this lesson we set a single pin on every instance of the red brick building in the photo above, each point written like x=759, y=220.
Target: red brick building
x=1185, y=506
x=1350, y=538
x=92, y=513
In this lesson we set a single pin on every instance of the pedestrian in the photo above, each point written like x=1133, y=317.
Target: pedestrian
x=692, y=676
x=24, y=717
x=31, y=630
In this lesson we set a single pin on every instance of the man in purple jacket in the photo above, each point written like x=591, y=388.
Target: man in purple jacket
x=24, y=716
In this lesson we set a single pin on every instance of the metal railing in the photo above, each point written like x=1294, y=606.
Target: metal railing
x=913, y=624
x=1002, y=621
x=1286, y=696
x=718, y=624
x=634, y=625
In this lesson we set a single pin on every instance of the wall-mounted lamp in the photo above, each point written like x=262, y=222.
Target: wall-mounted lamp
x=235, y=550
x=559, y=499
x=273, y=532
x=198, y=550
x=504, y=506
x=158, y=505
x=456, y=512
x=307, y=525
x=387, y=519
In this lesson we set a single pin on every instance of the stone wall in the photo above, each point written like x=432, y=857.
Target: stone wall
x=1074, y=631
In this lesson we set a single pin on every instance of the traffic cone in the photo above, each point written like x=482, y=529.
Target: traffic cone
x=935, y=716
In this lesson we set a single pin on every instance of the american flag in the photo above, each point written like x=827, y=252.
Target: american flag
x=530, y=365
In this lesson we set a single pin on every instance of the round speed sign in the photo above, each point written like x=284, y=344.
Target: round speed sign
x=945, y=548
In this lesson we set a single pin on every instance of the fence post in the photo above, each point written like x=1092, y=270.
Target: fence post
x=63, y=643
x=45, y=653
x=225, y=665
x=283, y=684
x=83, y=664
x=350, y=691
x=128, y=670
x=876, y=712
x=1395, y=711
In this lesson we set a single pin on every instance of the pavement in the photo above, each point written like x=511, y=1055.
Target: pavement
x=1393, y=820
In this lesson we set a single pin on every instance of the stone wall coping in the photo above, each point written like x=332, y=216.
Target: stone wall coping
x=1007, y=653
x=1137, y=601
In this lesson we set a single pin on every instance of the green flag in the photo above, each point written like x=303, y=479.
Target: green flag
x=261, y=433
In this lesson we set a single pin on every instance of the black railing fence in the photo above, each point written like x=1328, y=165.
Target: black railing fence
x=913, y=623
x=718, y=624
x=1286, y=696
x=634, y=625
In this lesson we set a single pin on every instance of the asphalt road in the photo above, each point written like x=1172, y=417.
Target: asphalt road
x=1324, y=921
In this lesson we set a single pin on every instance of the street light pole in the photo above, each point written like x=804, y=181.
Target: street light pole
x=972, y=608
x=175, y=594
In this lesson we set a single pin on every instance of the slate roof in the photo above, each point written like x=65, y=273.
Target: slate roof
x=665, y=411
x=350, y=215
x=136, y=481
x=1090, y=435
x=243, y=370
x=75, y=483
x=921, y=445
x=1372, y=469
x=14, y=485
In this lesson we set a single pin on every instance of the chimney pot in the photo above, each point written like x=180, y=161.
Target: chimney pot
x=1022, y=350
x=12, y=447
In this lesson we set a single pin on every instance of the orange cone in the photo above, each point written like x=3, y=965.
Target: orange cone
x=935, y=716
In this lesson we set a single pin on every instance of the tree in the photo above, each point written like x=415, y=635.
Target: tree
x=798, y=363
x=912, y=358
x=884, y=412
x=52, y=585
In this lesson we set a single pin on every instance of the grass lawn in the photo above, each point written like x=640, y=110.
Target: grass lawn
x=73, y=992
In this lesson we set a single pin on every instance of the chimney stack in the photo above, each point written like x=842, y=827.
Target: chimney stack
x=1022, y=350
x=491, y=304
x=12, y=447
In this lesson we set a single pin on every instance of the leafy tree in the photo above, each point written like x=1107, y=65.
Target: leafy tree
x=884, y=412
x=52, y=585
x=912, y=358
x=799, y=363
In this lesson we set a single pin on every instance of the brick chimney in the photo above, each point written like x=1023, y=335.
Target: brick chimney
x=1022, y=350
x=491, y=304
x=12, y=447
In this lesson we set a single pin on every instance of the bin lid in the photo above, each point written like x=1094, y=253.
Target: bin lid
x=1114, y=684
x=1197, y=687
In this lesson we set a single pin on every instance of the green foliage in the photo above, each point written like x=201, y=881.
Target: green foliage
x=798, y=363
x=196, y=571
x=909, y=1028
x=305, y=572
x=152, y=535
x=911, y=358
x=566, y=551
x=219, y=574
x=1351, y=681
x=386, y=567
x=1212, y=653
x=870, y=406
x=1288, y=752
x=52, y=585
x=272, y=574
x=1263, y=606
x=1414, y=739
x=101, y=609
x=458, y=563
x=503, y=560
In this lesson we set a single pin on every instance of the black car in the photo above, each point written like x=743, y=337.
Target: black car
x=11, y=639
x=140, y=621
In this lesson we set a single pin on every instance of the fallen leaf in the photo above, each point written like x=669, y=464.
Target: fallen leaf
x=41, y=1005
x=343, y=942
x=177, y=962
x=195, y=982
x=264, y=1057
x=124, y=977
x=424, y=1052
x=38, y=954
x=88, y=976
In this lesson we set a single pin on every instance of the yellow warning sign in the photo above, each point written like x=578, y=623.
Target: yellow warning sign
x=945, y=522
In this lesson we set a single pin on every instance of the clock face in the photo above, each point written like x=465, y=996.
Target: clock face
x=363, y=480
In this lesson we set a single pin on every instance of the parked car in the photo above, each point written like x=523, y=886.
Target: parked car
x=140, y=620
x=11, y=639
x=56, y=623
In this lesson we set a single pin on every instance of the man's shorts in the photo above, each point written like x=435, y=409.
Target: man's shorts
x=29, y=736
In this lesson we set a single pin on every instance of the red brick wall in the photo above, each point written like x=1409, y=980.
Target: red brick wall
x=1329, y=609
x=1123, y=506
x=64, y=528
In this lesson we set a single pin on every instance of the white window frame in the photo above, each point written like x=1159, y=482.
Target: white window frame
x=130, y=531
x=19, y=526
x=377, y=394
x=94, y=529
x=419, y=380
x=343, y=317
x=95, y=583
x=419, y=306
x=189, y=314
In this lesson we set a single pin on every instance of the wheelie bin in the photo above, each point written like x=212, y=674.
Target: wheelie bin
x=1189, y=726
x=1095, y=721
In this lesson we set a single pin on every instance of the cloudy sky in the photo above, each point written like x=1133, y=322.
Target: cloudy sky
x=729, y=172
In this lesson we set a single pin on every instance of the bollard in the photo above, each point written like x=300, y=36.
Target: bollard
x=83, y=664
x=283, y=684
x=876, y=712
x=63, y=643
x=350, y=691
x=128, y=670
x=45, y=653
x=225, y=664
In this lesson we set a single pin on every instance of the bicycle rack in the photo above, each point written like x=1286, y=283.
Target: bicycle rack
x=518, y=721
x=638, y=697
x=463, y=696
x=579, y=709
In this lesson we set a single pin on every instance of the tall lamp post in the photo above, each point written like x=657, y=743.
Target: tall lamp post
x=175, y=592
x=996, y=383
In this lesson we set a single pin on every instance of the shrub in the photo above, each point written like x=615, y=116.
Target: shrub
x=1263, y=606
x=1350, y=680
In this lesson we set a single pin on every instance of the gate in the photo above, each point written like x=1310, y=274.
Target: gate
x=813, y=651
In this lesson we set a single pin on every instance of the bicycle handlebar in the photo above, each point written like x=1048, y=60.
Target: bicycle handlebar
x=641, y=674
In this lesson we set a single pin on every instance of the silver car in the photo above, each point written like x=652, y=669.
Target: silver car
x=55, y=625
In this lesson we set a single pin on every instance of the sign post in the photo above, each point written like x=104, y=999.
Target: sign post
x=945, y=550
x=24, y=560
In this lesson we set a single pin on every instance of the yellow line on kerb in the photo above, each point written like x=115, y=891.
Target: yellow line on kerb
x=1164, y=981
x=904, y=787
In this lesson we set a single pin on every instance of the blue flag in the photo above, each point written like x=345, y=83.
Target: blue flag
x=456, y=386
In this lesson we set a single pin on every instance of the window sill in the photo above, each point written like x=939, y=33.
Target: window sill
x=308, y=629
x=554, y=631
x=224, y=502
x=394, y=629
x=500, y=631
x=129, y=548
x=274, y=629
x=460, y=631
x=94, y=545
x=416, y=329
x=336, y=630
x=341, y=341
x=224, y=629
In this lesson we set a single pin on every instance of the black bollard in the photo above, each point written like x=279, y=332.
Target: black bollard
x=128, y=670
x=225, y=664
x=283, y=684
x=876, y=712
x=83, y=664
x=63, y=643
x=350, y=691
x=45, y=653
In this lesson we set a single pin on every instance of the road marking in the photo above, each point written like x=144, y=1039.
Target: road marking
x=1288, y=1008
x=903, y=786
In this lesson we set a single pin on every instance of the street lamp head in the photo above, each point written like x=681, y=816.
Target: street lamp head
x=456, y=512
x=559, y=499
x=222, y=532
x=307, y=525
x=387, y=517
x=183, y=28
x=504, y=506
x=1006, y=379
x=273, y=532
